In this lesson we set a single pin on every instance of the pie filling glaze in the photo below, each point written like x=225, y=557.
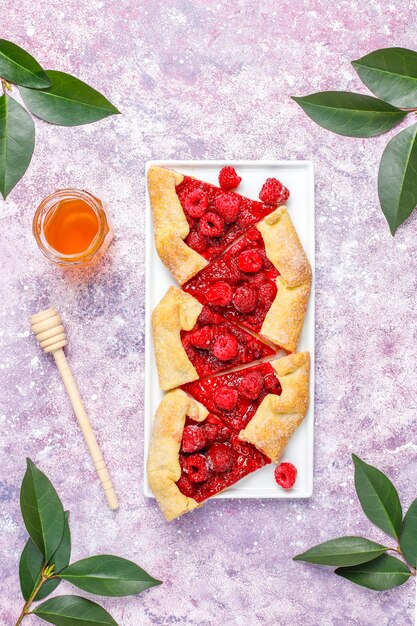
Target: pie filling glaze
x=236, y=396
x=212, y=458
x=214, y=344
x=241, y=285
x=216, y=217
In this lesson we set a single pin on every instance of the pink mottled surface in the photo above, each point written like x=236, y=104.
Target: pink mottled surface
x=208, y=80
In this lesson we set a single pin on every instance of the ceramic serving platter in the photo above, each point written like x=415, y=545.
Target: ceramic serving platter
x=298, y=176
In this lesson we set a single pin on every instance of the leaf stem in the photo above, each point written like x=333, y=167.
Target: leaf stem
x=28, y=603
x=5, y=85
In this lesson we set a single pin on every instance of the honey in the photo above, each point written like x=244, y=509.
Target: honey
x=71, y=227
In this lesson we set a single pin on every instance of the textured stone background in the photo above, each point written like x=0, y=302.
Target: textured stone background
x=208, y=80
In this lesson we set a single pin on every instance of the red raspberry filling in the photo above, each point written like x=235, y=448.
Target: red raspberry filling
x=228, y=206
x=186, y=487
x=220, y=457
x=193, y=439
x=285, y=475
x=211, y=224
x=245, y=299
x=228, y=178
x=196, y=203
x=251, y=385
x=196, y=242
x=226, y=397
x=273, y=192
x=225, y=347
x=219, y=293
x=202, y=338
x=250, y=261
x=195, y=467
x=211, y=429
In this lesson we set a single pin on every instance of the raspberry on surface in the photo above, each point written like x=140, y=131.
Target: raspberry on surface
x=202, y=338
x=285, y=475
x=226, y=397
x=251, y=385
x=225, y=347
x=250, y=261
x=211, y=224
x=273, y=192
x=245, y=299
x=220, y=457
x=219, y=293
x=186, y=486
x=196, y=203
x=193, y=439
x=195, y=467
x=228, y=178
x=228, y=206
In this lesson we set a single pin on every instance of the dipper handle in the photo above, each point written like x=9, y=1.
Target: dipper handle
x=50, y=334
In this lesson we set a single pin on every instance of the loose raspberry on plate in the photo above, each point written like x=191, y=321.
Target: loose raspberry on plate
x=195, y=467
x=285, y=475
x=251, y=385
x=193, y=439
x=219, y=293
x=225, y=397
x=211, y=224
x=186, y=486
x=202, y=338
x=225, y=347
x=250, y=261
x=196, y=203
x=245, y=299
x=220, y=457
x=274, y=192
x=228, y=178
x=228, y=206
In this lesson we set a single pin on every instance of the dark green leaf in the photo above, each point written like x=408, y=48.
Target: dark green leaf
x=108, y=575
x=343, y=551
x=42, y=510
x=391, y=74
x=19, y=67
x=67, y=102
x=17, y=140
x=408, y=536
x=350, y=114
x=397, y=177
x=73, y=611
x=378, y=497
x=382, y=573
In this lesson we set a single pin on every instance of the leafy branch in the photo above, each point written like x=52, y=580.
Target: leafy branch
x=45, y=561
x=55, y=97
x=361, y=560
x=391, y=74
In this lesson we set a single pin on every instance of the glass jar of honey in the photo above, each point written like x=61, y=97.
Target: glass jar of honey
x=71, y=228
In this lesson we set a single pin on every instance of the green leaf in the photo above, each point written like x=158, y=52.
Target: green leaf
x=350, y=114
x=381, y=574
x=378, y=497
x=397, y=177
x=32, y=560
x=408, y=536
x=42, y=510
x=342, y=551
x=108, y=575
x=391, y=74
x=73, y=611
x=17, y=140
x=67, y=102
x=19, y=67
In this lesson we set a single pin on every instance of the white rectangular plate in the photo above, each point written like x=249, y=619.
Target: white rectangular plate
x=298, y=176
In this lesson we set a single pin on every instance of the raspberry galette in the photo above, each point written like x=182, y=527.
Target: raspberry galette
x=193, y=341
x=262, y=281
x=195, y=221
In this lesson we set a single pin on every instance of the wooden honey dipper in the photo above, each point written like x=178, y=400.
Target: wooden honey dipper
x=50, y=334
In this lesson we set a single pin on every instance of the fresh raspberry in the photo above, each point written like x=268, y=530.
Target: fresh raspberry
x=228, y=206
x=225, y=398
x=211, y=430
x=267, y=293
x=254, y=349
x=257, y=279
x=245, y=299
x=186, y=486
x=196, y=242
x=285, y=475
x=225, y=347
x=271, y=383
x=193, y=439
x=201, y=338
x=228, y=178
x=273, y=192
x=251, y=385
x=250, y=261
x=219, y=293
x=220, y=457
x=195, y=467
x=211, y=224
x=196, y=203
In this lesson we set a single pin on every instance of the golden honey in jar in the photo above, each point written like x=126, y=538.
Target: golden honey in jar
x=71, y=228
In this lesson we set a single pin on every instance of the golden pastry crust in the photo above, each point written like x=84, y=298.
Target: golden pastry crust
x=163, y=461
x=177, y=311
x=171, y=226
x=284, y=321
x=278, y=417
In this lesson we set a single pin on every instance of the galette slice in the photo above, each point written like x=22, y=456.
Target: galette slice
x=196, y=221
x=193, y=455
x=262, y=281
x=264, y=403
x=192, y=341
